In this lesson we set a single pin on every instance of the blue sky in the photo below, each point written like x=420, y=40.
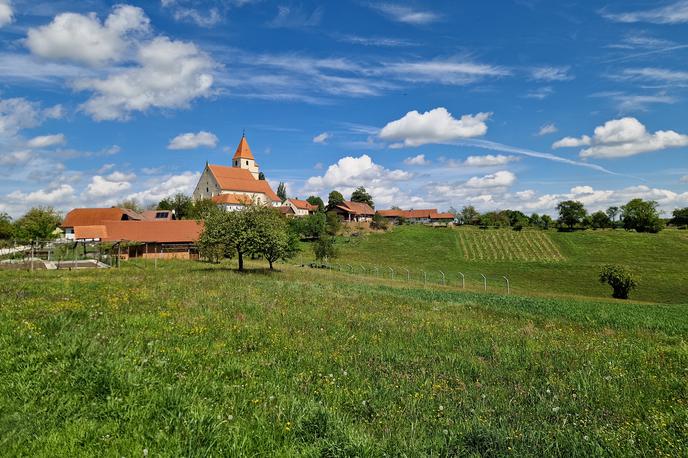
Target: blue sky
x=511, y=104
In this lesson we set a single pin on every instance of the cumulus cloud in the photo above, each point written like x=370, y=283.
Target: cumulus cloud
x=489, y=160
x=673, y=13
x=416, y=160
x=45, y=141
x=624, y=137
x=18, y=113
x=547, y=129
x=101, y=187
x=434, y=126
x=49, y=196
x=84, y=39
x=355, y=171
x=406, y=14
x=121, y=176
x=551, y=73
x=183, y=11
x=193, y=140
x=15, y=158
x=160, y=187
x=321, y=138
x=500, y=179
x=6, y=13
x=170, y=75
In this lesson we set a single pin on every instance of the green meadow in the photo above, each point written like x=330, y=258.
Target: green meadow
x=193, y=359
x=537, y=263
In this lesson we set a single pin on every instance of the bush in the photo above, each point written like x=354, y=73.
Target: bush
x=379, y=222
x=324, y=249
x=620, y=279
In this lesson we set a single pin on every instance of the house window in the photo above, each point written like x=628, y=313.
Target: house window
x=246, y=162
x=207, y=190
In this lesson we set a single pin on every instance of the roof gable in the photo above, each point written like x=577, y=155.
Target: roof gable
x=243, y=151
x=241, y=180
x=356, y=208
x=96, y=216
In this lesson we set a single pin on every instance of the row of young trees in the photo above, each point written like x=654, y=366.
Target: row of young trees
x=638, y=214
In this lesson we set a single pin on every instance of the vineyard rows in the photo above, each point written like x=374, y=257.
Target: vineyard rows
x=504, y=245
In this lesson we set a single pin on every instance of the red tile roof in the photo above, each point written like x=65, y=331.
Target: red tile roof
x=304, y=205
x=183, y=231
x=152, y=215
x=392, y=213
x=232, y=199
x=286, y=210
x=431, y=213
x=356, y=208
x=243, y=151
x=96, y=216
x=237, y=179
x=443, y=216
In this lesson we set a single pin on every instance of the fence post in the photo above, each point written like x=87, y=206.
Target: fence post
x=463, y=280
x=377, y=271
x=425, y=278
x=508, y=287
x=444, y=279
x=391, y=270
x=484, y=281
x=363, y=268
x=32, y=253
x=408, y=275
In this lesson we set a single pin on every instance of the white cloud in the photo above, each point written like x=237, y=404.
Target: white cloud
x=192, y=141
x=547, y=129
x=625, y=137
x=296, y=17
x=551, y=73
x=15, y=158
x=170, y=75
x=500, y=179
x=684, y=179
x=18, y=113
x=654, y=74
x=540, y=93
x=434, y=126
x=406, y=14
x=164, y=186
x=635, y=102
x=83, y=38
x=416, y=160
x=102, y=187
x=489, y=160
x=45, y=141
x=121, y=176
x=350, y=172
x=571, y=142
x=449, y=72
x=183, y=12
x=51, y=196
x=6, y=13
x=321, y=138
x=674, y=13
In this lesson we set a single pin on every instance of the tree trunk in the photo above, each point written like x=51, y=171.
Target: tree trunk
x=270, y=261
x=241, y=261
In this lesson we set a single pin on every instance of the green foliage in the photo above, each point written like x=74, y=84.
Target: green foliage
x=494, y=219
x=335, y=198
x=282, y=191
x=38, y=224
x=274, y=239
x=680, y=217
x=333, y=223
x=180, y=203
x=131, y=204
x=6, y=229
x=613, y=213
x=360, y=195
x=469, y=215
x=642, y=216
x=600, y=220
x=379, y=222
x=571, y=213
x=202, y=208
x=547, y=222
x=309, y=227
x=324, y=248
x=315, y=200
x=261, y=176
x=620, y=279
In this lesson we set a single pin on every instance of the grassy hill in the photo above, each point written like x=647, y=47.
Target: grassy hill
x=551, y=263
x=191, y=359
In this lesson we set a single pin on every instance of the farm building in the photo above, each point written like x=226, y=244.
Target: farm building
x=354, y=211
x=300, y=207
x=96, y=216
x=169, y=239
x=158, y=215
x=233, y=187
x=416, y=216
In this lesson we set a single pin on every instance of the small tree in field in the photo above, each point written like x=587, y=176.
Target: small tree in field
x=274, y=239
x=37, y=224
x=620, y=279
x=335, y=198
x=571, y=212
x=642, y=215
x=324, y=248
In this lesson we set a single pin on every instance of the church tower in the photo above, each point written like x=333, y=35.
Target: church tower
x=243, y=158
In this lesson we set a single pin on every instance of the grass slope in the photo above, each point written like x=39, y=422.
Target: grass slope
x=197, y=360
x=659, y=260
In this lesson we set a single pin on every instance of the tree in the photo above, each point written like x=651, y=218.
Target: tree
x=324, y=248
x=180, y=204
x=37, y=224
x=547, y=222
x=261, y=176
x=642, y=215
x=6, y=229
x=680, y=217
x=600, y=220
x=620, y=279
x=335, y=198
x=612, y=213
x=535, y=220
x=379, y=222
x=274, y=239
x=282, y=191
x=494, y=219
x=360, y=195
x=571, y=212
x=201, y=208
x=469, y=215
x=233, y=233
x=130, y=204
x=333, y=223
x=317, y=201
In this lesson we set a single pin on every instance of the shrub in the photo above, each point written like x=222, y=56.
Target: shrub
x=620, y=279
x=324, y=248
x=379, y=222
x=642, y=216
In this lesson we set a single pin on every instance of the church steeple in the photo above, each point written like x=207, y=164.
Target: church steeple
x=243, y=158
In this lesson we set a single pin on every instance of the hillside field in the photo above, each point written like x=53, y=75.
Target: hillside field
x=541, y=263
x=193, y=359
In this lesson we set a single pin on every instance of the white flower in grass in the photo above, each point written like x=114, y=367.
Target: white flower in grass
x=555, y=409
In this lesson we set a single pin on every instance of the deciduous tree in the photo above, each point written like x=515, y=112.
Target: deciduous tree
x=642, y=215
x=571, y=212
x=335, y=198
x=37, y=224
x=362, y=196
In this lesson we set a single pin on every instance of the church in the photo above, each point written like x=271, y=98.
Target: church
x=233, y=187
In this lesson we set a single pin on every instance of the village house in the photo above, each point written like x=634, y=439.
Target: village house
x=354, y=211
x=234, y=187
x=300, y=207
x=426, y=216
x=96, y=216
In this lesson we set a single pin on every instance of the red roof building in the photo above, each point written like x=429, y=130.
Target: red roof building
x=354, y=211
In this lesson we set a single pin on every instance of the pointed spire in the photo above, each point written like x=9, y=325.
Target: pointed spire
x=243, y=151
